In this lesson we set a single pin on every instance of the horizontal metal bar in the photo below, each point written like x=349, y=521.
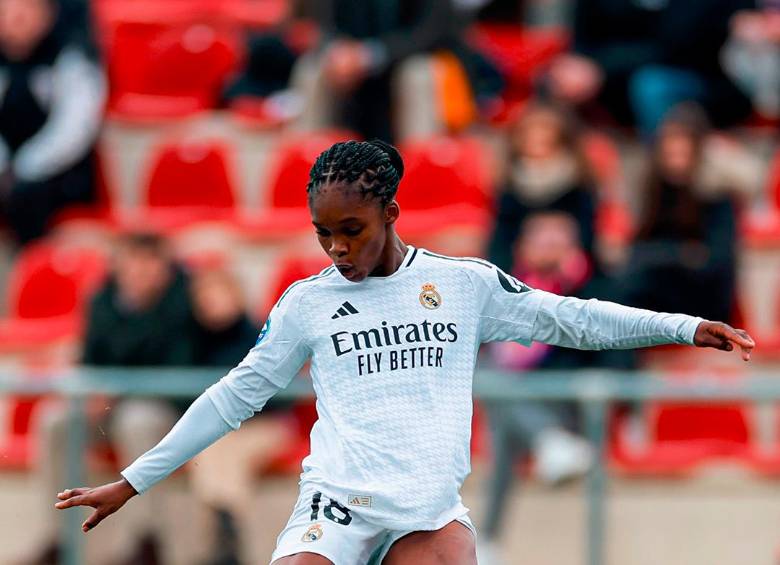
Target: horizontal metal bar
x=495, y=386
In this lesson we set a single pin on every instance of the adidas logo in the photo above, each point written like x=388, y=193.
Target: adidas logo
x=345, y=310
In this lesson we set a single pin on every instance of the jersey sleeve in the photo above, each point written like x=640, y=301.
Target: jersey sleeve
x=280, y=352
x=269, y=366
x=512, y=311
x=507, y=307
x=597, y=324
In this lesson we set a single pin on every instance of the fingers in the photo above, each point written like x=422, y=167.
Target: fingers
x=94, y=519
x=81, y=500
x=732, y=337
x=740, y=337
x=68, y=493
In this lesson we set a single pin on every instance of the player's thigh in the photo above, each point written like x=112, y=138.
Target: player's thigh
x=303, y=559
x=451, y=545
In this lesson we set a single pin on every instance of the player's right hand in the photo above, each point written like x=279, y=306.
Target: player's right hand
x=105, y=499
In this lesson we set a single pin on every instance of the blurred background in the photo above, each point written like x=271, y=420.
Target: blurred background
x=153, y=159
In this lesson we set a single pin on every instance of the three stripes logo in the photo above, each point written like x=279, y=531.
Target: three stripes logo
x=345, y=310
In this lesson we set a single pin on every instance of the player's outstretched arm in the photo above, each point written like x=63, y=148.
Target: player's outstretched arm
x=200, y=426
x=724, y=337
x=595, y=324
x=105, y=499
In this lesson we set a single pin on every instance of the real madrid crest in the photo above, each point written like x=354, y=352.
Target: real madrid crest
x=313, y=533
x=429, y=297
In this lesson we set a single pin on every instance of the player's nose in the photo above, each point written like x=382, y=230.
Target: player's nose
x=338, y=248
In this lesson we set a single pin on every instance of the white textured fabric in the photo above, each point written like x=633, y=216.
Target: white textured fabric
x=200, y=426
x=326, y=527
x=392, y=360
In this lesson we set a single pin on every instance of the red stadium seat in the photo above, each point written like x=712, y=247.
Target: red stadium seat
x=289, y=171
x=47, y=281
x=249, y=13
x=16, y=446
x=284, y=186
x=47, y=291
x=446, y=183
x=189, y=181
x=520, y=54
x=684, y=436
x=168, y=71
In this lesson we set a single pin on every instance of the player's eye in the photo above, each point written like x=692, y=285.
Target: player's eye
x=322, y=233
x=352, y=232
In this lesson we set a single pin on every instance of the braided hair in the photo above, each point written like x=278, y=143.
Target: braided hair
x=373, y=167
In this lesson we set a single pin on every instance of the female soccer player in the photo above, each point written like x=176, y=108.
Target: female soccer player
x=392, y=333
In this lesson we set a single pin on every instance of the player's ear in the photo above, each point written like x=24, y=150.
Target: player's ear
x=392, y=211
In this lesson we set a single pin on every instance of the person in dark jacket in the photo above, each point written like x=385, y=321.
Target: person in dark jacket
x=547, y=171
x=366, y=47
x=51, y=104
x=141, y=317
x=684, y=256
x=638, y=59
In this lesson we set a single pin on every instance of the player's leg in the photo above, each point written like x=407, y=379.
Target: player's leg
x=303, y=559
x=451, y=545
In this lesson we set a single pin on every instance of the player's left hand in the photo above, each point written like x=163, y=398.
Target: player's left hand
x=724, y=337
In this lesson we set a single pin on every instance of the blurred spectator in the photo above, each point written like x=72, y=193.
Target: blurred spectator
x=641, y=58
x=75, y=22
x=547, y=170
x=224, y=332
x=266, y=75
x=223, y=474
x=51, y=102
x=142, y=317
x=684, y=258
x=368, y=46
x=535, y=13
x=752, y=55
x=549, y=258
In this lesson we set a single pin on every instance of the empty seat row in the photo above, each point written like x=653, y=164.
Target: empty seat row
x=187, y=181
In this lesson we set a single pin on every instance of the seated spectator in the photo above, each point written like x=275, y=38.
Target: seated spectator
x=687, y=230
x=141, y=317
x=266, y=76
x=550, y=258
x=547, y=170
x=639, y=59
x=752, y=55
x=367, y=46
x=51, y=103
x=223, y=474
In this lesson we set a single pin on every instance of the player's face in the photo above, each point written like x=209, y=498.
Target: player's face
x=352, y=229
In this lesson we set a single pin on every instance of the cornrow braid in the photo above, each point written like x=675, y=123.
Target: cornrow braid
x=373, y=167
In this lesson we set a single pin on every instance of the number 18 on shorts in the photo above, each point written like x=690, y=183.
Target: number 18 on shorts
x=326, y=527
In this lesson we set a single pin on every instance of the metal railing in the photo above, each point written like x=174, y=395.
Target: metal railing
x=594, y=390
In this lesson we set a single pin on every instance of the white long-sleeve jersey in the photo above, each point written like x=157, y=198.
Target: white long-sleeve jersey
x=392, y=361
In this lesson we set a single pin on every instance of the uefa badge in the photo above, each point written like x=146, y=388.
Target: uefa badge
x=313, y=533
x=264, y=331
x=429, y=297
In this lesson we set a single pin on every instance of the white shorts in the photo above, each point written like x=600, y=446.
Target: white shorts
x=325, y=527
